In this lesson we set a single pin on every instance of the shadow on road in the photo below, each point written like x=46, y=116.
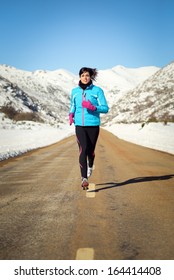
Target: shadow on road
x=109, y=185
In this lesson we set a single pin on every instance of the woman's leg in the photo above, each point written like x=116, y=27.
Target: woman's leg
x=82, y=143
x=92, y=136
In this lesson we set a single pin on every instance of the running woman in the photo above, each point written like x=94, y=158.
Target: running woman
x=87, y=102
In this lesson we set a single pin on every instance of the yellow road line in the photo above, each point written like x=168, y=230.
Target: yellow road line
x=85, y=254
x=91, y=190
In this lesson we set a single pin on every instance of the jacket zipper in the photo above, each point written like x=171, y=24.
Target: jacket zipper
x=83, y=118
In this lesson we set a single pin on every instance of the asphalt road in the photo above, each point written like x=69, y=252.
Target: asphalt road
x=128, y=213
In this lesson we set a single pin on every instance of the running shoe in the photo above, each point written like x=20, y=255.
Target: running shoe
x=89, y=172
x=85, y=183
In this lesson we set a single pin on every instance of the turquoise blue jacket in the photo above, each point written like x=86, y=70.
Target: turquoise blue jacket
x=83, y=116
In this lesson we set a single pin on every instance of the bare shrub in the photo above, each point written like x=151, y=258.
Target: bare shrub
x=28, y=116
x=9, y=111
x=12, y=114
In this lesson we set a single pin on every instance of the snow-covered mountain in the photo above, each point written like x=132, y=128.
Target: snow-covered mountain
x=153, y=100
x=29, y=98
x=119, y=79
x=44, y=95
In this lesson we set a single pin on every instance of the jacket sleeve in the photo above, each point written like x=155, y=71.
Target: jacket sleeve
x=72, y=104
x=102, y=106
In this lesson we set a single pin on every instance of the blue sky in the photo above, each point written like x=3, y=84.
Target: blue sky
x=70, y=34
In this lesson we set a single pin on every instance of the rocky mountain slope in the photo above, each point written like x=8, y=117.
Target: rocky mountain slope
x=153, y=100
x=44, y=95
x=43, y=92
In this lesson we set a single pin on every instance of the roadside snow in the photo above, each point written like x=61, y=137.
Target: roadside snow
x=18, y=139
x=153, y=135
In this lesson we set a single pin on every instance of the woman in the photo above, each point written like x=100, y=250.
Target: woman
x=87, y=102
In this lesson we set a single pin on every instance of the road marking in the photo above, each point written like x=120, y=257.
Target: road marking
x=91, y=190
x=85, y=254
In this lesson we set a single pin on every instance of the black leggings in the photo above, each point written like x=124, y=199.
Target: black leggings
x=86, y=139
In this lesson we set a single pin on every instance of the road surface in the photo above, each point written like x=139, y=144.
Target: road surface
x=128, y=213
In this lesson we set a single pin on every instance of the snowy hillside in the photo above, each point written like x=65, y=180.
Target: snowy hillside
x=47, y=93
x=152, y=100
x=118, y=80
x=31, y=101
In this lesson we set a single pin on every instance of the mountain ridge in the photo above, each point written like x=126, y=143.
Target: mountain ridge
x=152, y=100
x=47, y=93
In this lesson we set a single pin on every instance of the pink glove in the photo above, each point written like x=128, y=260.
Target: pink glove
x=88, y=105
x=71, y=118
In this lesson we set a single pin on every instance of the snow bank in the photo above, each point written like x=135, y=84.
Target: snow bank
x=18, y=139
x=153, y=135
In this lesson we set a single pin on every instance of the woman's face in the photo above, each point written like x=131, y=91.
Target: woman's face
x=85, y=77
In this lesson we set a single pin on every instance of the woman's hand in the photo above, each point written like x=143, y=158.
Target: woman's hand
x=88, y=105
x=71, y=118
